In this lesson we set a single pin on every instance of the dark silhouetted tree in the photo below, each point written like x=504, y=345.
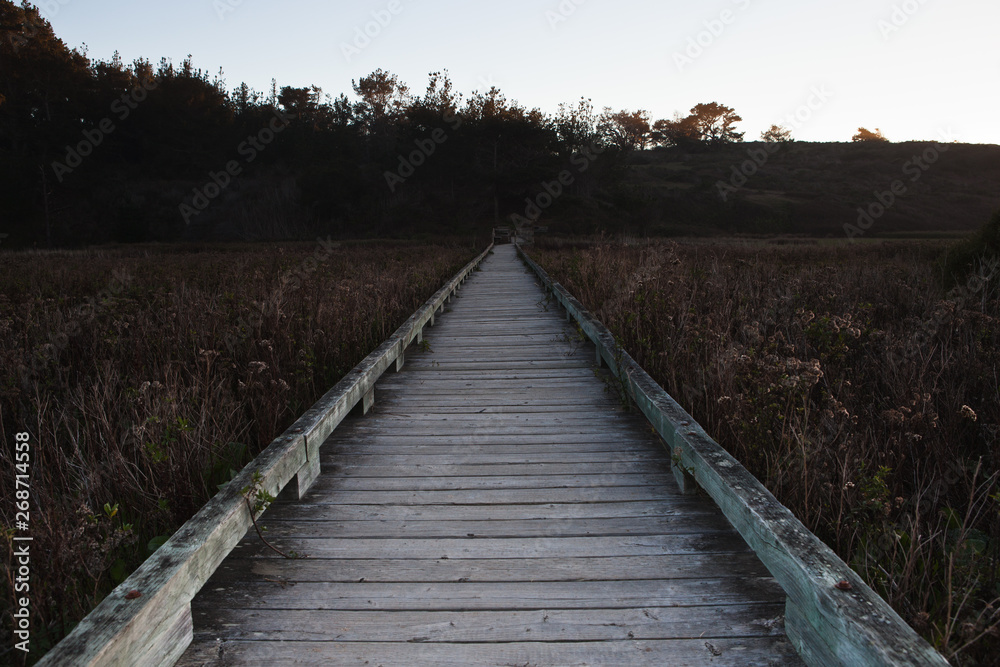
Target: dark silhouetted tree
x=576, y=126
x=306, y=107
x=776, y=134
x=46, y=90
x=711, y=124
x=627, y=130
x=716, y=123
x=681, y=132
x=384, y=99
x=867, y=135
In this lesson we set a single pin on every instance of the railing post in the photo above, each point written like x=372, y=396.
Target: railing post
x=364, y=406
x=307, y=474
x=685, y=481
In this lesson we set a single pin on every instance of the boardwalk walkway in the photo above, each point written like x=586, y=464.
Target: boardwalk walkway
x=496, y=507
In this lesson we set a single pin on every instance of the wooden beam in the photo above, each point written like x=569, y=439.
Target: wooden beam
x=830, y=626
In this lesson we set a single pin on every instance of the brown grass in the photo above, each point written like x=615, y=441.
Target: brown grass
x=146, y=376
x=846, y=380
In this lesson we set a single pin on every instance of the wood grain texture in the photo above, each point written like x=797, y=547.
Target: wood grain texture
x=593, y=568
x=497, y=505
x=742, y=652
x=503, y=627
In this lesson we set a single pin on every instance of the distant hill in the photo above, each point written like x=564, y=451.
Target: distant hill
x=811, y=188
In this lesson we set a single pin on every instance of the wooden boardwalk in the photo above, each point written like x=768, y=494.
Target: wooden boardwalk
x=496, y=507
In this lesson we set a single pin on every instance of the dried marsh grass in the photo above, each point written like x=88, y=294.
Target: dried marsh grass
x=864, y=396
x=145, y=376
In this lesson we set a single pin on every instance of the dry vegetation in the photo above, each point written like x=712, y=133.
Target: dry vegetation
x=864, y=396
x=146, y=376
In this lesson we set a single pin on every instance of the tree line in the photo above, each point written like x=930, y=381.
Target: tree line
x=95, y=151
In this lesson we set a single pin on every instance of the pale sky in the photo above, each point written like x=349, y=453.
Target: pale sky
x=916, y=69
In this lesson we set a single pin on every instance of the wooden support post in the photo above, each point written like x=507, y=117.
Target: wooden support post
x=310, y=469
x=306, y=475
x=366, y=403
x=433, y=319
x=400, y=361
x=420, y=335
x=598, y=357
x=685, y=481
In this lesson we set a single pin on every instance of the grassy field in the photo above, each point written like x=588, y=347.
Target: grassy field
x=145, y=376
x=849, y=382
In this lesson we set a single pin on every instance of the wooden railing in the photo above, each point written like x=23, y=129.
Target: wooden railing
x=147, y=619
x=831, y=616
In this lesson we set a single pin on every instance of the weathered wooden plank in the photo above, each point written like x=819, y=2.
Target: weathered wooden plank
x=502, y=425
x=721, y=652
x=348, y=484
x=524, y=352
x=473, y=377
x=468, y=451
x=350, y=458
x=527, y=547
x=493, y=405
x=496, y=596
x=617, y=568
x=445, y=428
x=519, y=469
x=676, y=506
x=499, y=364
x=444, y=338
x=441, y=383
x=587, y=421
x=576, y=376
x=512, y=393
x=494, y=528
x=461, y=442
x=551, y=625
x=588, y=494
